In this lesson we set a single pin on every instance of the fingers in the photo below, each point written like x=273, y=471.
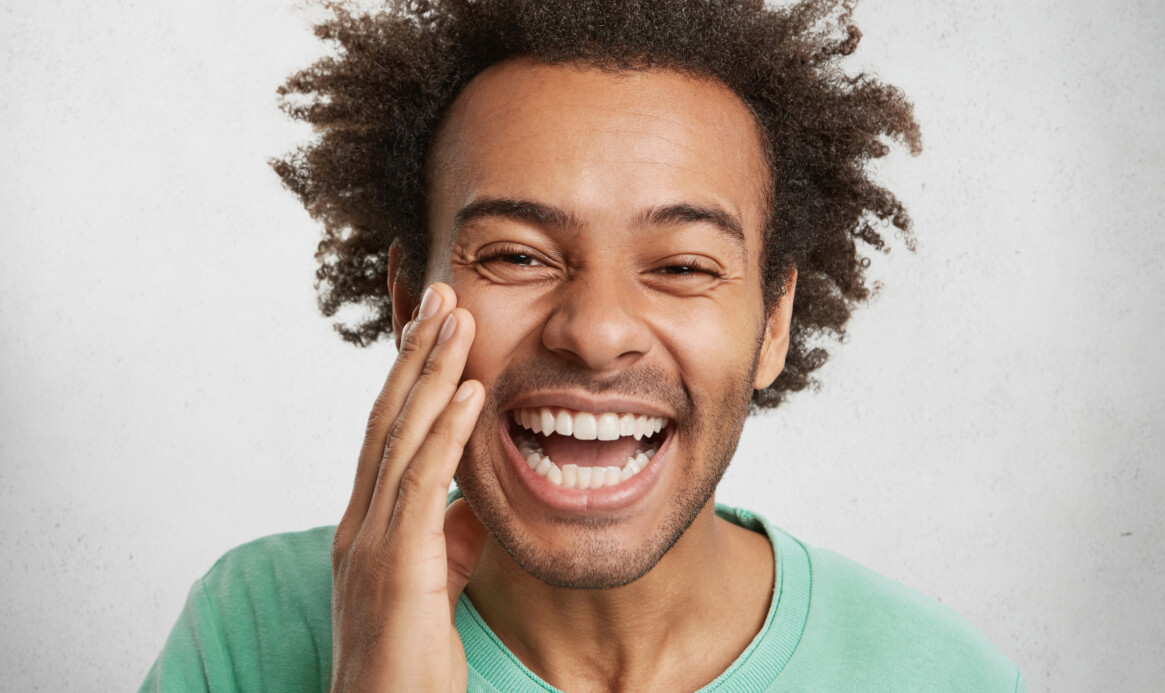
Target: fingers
x=436, y=410
x=418, y=345
x=424, y=483
x=390, y=567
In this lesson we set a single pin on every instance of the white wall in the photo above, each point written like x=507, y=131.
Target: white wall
x=990, y=434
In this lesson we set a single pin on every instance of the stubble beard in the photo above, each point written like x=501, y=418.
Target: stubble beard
x=594, y=559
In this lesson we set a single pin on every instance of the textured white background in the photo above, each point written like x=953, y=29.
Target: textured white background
x=991, y=433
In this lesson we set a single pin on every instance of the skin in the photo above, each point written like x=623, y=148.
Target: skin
x=616, y=310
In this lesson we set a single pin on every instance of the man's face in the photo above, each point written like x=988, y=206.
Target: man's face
x=604, y=229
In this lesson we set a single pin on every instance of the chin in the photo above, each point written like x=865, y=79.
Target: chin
x=588, y=484
x=600, y=546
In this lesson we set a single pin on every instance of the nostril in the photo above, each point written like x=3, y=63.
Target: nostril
x=598, y=330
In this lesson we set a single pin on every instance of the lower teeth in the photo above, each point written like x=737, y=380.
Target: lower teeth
x=574, y=476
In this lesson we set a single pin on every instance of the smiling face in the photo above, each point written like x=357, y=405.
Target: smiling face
x=604, y=229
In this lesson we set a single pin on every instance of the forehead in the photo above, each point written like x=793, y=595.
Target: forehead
x=598, y=143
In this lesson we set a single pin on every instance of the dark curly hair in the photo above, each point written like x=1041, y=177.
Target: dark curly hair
x=377, y=101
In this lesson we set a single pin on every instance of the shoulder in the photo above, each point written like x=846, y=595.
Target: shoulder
x=282, y=580
x=300, y=558
x=259, y=620
x=844, y=627
x=881, y=633
x=266, y=606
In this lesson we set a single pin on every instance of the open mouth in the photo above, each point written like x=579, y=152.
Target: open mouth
x=585, y=450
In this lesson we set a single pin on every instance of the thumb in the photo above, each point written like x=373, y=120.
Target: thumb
x=464, y=540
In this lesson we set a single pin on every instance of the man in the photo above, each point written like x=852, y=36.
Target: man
x=612, y=207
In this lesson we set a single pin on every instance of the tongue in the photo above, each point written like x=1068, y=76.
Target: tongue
x=589, y=453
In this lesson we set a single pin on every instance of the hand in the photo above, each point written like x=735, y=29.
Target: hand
x=400, y=559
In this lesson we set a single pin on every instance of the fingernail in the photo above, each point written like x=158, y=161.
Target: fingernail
x=430, y=303
x=463, y=392
x=447, y=329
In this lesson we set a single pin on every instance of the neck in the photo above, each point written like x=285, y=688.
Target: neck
x=677, y=627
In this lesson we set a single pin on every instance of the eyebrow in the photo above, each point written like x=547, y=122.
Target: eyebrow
x=554, y=219
x=687, y=213
x=533, y=213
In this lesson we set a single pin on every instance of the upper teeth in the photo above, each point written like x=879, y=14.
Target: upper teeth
x=587, y=426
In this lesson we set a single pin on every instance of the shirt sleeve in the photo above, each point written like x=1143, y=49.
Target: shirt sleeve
x=192, y=659
x=258, y=621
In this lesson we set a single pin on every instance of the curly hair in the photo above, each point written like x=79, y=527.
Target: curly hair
x=377, y=101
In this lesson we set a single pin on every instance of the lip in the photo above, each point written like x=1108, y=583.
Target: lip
x=583, y=402
x=575, y=501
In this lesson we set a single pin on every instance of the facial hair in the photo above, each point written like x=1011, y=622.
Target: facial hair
x=706, y=431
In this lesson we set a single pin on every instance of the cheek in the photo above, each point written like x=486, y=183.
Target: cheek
x=503, y=325
x=724, y=338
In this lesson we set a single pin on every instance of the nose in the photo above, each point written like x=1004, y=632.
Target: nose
x=598, y=322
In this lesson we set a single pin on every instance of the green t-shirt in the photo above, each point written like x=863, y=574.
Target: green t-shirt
x=260, y=620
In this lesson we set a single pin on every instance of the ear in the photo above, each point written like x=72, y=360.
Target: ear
x=404, y=301
x=771, y=360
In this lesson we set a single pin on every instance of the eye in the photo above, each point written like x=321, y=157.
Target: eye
x=515, y=259
x=511, y=259
x=512, y=263
x=689, y=267
x=680, y=269
x=509, y=254
x=685, y=275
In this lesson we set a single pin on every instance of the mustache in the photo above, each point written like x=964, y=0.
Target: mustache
x=643, y=382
